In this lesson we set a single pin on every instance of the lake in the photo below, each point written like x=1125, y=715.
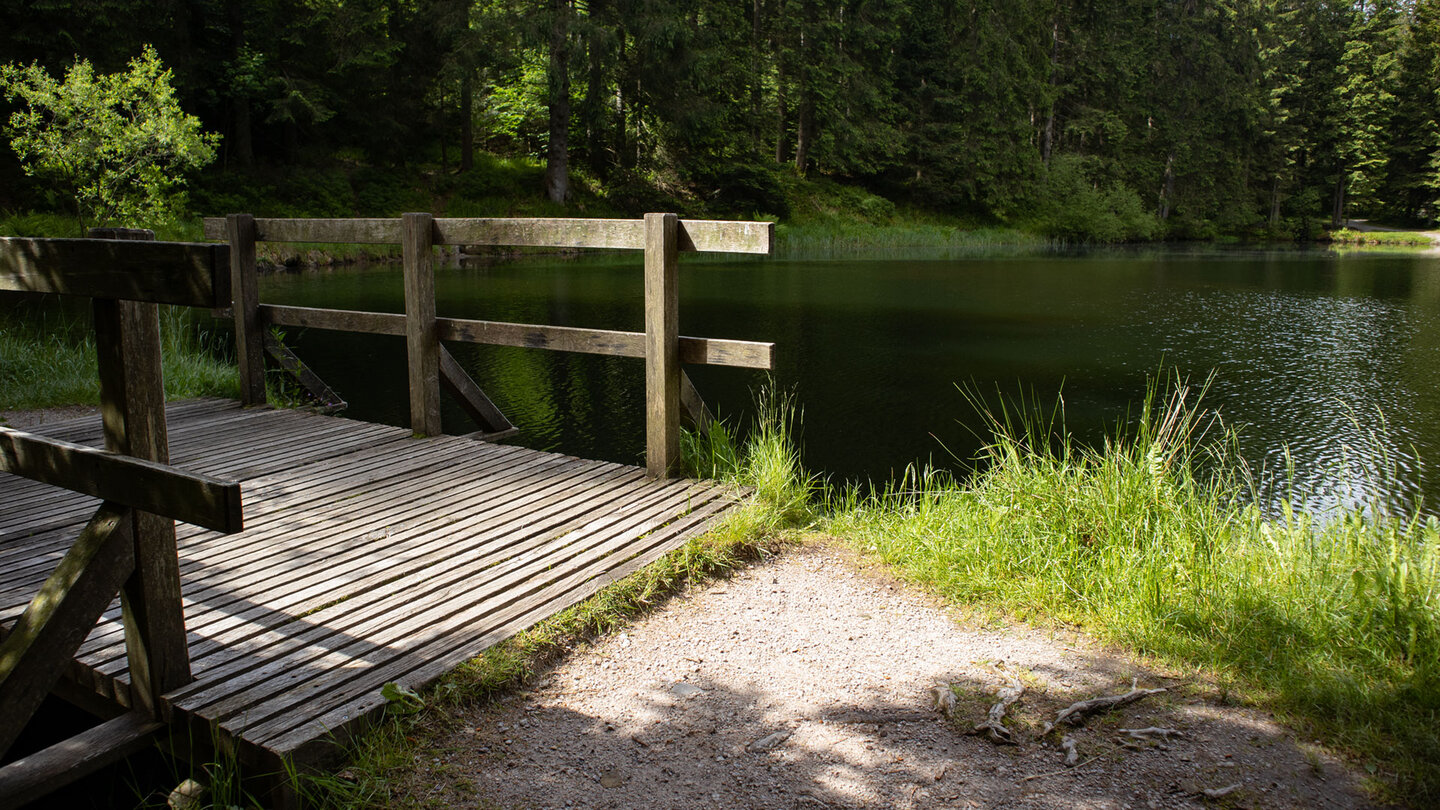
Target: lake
x=1329, y=364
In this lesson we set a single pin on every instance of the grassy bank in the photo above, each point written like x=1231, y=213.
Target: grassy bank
x=47, y=358
x=1346, y=236
x=1335, y=625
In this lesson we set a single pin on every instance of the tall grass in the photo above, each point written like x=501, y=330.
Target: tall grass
x=47, y=358
x=1335, y=623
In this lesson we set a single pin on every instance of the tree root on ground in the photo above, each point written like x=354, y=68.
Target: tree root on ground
x=993, y=726
x=1076, y=712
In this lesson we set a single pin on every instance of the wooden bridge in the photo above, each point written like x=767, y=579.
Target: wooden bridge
x=362, y=554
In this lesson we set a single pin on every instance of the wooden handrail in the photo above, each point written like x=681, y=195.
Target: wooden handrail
x=694, y=235
x=184, y=273
x=661, y=236
x=700, y=351
x=145, y=485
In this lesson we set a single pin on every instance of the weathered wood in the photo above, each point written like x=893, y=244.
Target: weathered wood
x=662, y=345
x=338, y=320
x=696, y=412
x=422, y=343
x=335, y=231
x=389, y=561
x=132, y=408
x=557, y=233
x=693, y=350
x=322, y=393
x=472, y=399
x=145, y=485
x=245, y=294
x=43, y=772
x=713, y=236
x=37, y=649
x=194, y=275
x=723, y=236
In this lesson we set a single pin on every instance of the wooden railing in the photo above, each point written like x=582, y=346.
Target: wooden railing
x=661, y=236
x=129, y=545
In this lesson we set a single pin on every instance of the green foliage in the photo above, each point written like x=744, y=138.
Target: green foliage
x=118, y=144
x=1076, y=203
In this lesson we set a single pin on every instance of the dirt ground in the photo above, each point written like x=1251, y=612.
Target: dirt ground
x=807, y=681
x=25, y=420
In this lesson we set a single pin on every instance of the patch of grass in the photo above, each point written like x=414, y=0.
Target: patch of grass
x=1336, y=624
x=781, y=501
x=47, y=357
x=853, y=237
x=1346, y=236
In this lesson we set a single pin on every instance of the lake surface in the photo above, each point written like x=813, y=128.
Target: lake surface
x=1329, y=361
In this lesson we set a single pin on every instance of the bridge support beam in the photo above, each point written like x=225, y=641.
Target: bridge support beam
x=662, y=345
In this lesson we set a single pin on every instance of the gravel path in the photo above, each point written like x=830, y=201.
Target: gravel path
x=806, y=681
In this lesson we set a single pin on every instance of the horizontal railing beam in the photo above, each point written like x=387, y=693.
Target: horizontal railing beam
x=145, y=485
x=67, y=761
x=184, y=273
x=698, y=351
x=695, y=235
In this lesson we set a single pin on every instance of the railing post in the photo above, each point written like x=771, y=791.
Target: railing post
x=245, y=303
x=662, y=345
x=422, y=341
x=132, y=405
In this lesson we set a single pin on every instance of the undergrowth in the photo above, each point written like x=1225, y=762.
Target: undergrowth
x=1334, y=622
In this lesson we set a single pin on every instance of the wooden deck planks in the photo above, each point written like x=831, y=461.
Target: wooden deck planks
x=368, y=556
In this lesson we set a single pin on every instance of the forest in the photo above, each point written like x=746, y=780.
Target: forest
x=1130, y=119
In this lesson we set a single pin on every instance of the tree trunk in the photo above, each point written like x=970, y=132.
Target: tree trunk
x=467, y=122
x=440, y=126
x=1167, y=188
x=1337, y=213
x=757, y=61
x=1275, y=202
x=1050, y=115
x=781, y=113
x=557, y=170
x=622, y=111
x=241, y=145
x=594, y=110
x=805, y=119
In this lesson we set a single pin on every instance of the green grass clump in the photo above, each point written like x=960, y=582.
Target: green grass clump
x=1346, y=236
x=47, y=358
x=1335, y=623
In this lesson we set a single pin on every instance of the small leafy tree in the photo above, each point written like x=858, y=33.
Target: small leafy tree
x=118, y=144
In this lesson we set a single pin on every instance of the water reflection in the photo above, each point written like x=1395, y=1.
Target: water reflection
x=1334, y=358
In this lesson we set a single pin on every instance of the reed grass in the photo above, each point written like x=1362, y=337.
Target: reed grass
x=1334, y=622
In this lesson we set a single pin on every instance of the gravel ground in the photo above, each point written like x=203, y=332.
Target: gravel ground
x=25, y=420
x=806, y=681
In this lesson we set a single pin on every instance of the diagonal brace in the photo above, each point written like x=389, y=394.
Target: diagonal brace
x=38, y=649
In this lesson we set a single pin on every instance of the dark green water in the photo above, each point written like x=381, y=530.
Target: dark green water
x=1333, y=358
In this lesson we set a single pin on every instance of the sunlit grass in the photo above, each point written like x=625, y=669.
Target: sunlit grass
x=47, y=358
x=1346, y=236
x=1335, y=623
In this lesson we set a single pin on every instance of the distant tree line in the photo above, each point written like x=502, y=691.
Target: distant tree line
x=1195, y=117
